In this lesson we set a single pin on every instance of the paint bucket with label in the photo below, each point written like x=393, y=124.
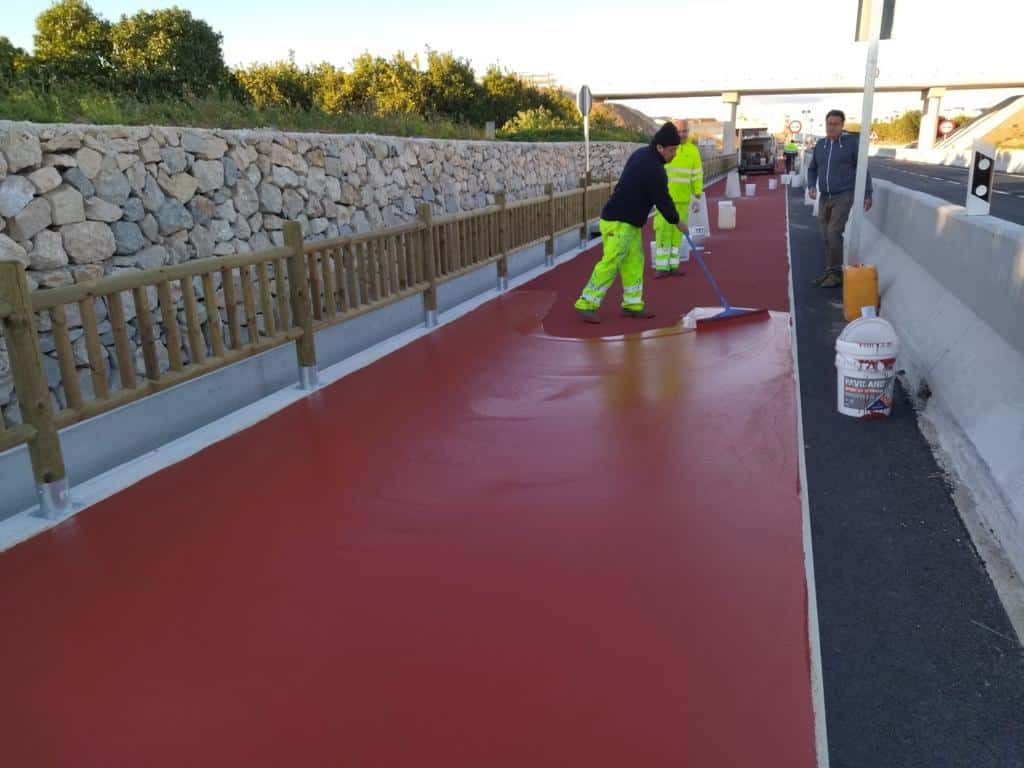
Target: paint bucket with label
x=773, y=184
x=751, y=189
x=866, y=353
x=698, y=222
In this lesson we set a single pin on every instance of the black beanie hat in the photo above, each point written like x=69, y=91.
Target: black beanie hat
x=667, y=136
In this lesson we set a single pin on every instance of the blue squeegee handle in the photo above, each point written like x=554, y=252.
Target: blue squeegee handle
x=711, y=279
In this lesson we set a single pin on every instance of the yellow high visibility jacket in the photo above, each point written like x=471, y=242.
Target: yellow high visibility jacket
x=685, y=173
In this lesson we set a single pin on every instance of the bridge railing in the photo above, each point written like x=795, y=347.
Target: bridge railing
x=174, y=323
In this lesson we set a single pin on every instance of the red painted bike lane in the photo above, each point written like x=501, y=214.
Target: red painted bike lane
x=495, y=546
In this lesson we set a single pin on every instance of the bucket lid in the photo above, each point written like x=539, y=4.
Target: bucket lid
x=870, y=332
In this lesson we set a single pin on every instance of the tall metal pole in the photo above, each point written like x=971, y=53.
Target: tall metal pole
x=586, y=139
x=860, y=185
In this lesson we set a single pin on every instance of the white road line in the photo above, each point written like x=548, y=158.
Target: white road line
x=953, y=181
x=1000, y=192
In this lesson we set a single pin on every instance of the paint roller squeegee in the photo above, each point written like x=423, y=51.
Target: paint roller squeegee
x=729, y=314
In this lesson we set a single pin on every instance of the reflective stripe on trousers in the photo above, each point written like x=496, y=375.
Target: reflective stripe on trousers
x=623, y=254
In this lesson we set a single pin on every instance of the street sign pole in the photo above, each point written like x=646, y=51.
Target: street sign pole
x=870, y=73
x=586, y=141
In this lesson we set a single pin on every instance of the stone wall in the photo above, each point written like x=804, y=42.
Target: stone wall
x=80, y=202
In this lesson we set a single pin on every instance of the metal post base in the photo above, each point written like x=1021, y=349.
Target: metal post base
x=431, y=318
x=502, y=283
x=54, y=499
x=549, y=260
x=309, y=379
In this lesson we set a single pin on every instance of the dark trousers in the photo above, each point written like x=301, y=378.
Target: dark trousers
x=789, y=162
x=832, y=215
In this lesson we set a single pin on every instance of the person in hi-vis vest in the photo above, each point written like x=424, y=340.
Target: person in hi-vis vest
x=685, y=187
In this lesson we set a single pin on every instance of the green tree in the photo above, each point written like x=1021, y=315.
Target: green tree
x=328, y=84
x=13, y=60
x=167, y=51
x=280, y=84
x=72, y=42
x=505, y=94
x=451, y=89
x=363, y=85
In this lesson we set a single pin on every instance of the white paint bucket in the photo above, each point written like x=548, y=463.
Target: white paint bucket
x=726, y=215
x=751, y=189
x=773, y=184
x=866, y=353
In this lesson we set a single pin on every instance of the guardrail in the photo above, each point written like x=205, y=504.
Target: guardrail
x=209, y=313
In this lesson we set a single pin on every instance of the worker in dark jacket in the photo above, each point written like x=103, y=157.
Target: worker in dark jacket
x=643, y=184
x=832, y=174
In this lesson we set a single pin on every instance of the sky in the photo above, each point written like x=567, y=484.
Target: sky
x=616, y=46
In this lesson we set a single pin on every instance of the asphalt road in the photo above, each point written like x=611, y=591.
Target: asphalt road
x=920, y=663
x=950, y=183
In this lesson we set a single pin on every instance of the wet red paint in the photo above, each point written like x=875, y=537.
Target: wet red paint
x=749, y=263
x=491, y=548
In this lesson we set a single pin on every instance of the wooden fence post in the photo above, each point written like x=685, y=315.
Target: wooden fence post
x=298, y=283
x=549, y=246
x=426, y=216
x=33, y=391
x=501, y=198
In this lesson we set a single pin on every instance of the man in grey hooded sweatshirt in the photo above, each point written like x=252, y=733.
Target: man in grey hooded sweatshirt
x=832, y=173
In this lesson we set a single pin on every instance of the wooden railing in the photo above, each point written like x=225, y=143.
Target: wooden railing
x=171, y=324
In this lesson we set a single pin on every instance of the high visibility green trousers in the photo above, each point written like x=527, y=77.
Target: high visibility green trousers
x=667, y=238
x=623, y=253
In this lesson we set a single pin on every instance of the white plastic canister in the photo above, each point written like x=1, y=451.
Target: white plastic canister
x=866, y=353
x=726, y=215
x=751, y=189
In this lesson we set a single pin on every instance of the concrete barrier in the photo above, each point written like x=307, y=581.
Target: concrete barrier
x=1007, y=160
x=953, y=287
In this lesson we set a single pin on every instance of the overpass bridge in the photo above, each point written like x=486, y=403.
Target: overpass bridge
x=931, y=96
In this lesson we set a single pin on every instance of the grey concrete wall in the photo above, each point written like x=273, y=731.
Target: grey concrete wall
x=953, y=287
x=979, y=259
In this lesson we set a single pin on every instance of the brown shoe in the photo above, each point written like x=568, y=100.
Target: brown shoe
x=832, y=280
x=638, y=313
x=589, y=316
x=821, y=278
x=660, y=273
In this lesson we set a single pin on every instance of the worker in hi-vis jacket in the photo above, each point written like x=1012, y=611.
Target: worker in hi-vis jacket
x=685, y=187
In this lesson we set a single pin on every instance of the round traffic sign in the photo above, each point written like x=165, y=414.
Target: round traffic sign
x=584, y=101
x=795, y=126
x=946, y=127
